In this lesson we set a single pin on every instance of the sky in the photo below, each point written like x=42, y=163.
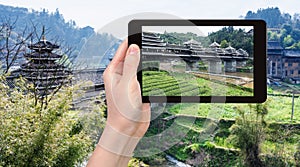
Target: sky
x=98, y=13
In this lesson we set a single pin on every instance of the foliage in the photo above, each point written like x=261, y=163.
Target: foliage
x=93, y=122
x=224, y=44
x=285, y=28
x=180, y=38
x=272, y=16
x=279, y=109
x=297, y=155
x=12, y=43
x=288, y=41
x=195, y=147
x=237, y=38
x=279, y=147
x=55, y=21
x=249, y=132
x=134, y=162
x=35, y=136
x=218, y=149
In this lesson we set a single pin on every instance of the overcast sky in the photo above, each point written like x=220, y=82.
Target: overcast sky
x=97, y=13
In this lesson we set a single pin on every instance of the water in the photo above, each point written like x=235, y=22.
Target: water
x=176, y=162
x=172, y=162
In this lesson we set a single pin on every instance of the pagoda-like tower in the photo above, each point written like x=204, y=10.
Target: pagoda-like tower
x=151, y=42
x=194, y=47
x=42, y=68
x=153, y=49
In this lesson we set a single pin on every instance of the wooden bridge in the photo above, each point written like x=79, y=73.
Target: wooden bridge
x=214, y=61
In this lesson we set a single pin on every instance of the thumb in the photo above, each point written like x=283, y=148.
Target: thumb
x=131, y=62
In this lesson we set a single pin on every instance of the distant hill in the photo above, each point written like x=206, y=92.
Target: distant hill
x=67, y=33
x=282, y=27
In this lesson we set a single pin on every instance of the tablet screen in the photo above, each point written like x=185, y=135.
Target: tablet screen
x=204, y=61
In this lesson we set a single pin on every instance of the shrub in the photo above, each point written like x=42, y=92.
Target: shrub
x=248, y=133
x=31, y=135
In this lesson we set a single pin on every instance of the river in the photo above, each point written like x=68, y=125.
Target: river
x=171, y=162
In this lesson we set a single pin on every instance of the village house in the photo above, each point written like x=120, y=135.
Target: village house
x=283, y=64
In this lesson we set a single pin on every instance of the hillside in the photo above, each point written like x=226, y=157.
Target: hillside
x=282, y=27
x=65, y=32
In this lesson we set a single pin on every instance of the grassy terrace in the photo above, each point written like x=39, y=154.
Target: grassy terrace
x=208, y=139
x=180, y=84
x=207, y=142
x=279, y=110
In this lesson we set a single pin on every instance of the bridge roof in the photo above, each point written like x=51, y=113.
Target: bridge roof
x=43, y=45
x=192, y=41
x=293, y=53
x=150, y=35
x=274, y=45
x=214, y=45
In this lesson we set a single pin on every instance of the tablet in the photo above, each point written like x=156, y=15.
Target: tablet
x=209, y=61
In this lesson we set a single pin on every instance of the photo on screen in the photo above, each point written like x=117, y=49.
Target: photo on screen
x=197, y=61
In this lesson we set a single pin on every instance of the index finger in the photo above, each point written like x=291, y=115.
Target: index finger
x=119, y=55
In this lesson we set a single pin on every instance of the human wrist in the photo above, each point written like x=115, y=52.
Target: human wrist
x=117, y=142
x=135, y=126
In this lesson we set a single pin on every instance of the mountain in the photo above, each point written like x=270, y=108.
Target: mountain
x=65, y=33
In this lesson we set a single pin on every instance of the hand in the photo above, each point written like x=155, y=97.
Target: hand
x=126, y=112
x=128, y=118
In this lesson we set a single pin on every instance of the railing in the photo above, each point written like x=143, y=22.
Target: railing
x=198, y=55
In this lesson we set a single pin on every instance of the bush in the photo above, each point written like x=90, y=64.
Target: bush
x=31, y=135
x=248, y=133
x=136, y=162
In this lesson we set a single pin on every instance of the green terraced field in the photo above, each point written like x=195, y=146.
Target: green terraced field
x=162, y=83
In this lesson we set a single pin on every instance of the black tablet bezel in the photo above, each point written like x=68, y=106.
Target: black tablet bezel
x=259, y=70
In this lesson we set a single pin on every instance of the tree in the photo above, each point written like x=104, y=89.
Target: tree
x=35, y=136
x=52, y=20
x=273, y=36
x=288, y=41
x=296, y=34
x=248, y=133
x=288, y=28
x=12, y=43
x=296, y=20
x=224, y=44
x=272, y=16
x=287, y=18
x=238, y=38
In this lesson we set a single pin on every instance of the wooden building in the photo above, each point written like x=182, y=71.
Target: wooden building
x=42, y=68
x=283, y=64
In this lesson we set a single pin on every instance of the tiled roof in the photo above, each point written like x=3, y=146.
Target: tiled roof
x=274, y=45
x=292, y=53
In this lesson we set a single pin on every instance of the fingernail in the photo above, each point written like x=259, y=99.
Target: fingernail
x=133, y=49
